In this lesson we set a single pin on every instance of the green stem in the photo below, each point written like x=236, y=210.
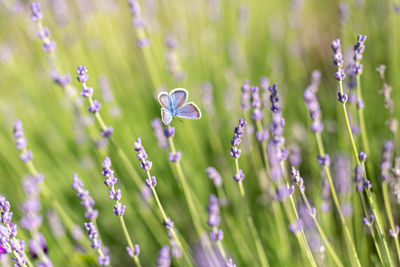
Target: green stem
x=165, y=219
x=250, y=223
x=371, y=228
x=371, y=201
x=192, y=208
x=336, y=201
x=128, y=239
x=321, y=231
x=390, y=215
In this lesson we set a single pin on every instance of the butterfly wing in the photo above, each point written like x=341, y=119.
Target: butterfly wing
x=188, y=111
x=166, y=116
x=179, y=97
x=165, y=100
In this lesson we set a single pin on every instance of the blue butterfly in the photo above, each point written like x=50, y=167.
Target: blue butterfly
x=174, y=104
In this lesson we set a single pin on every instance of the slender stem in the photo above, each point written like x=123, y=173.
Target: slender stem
x=250, y=223
x=336, y=201
x=192, y=208
x=390, y=215
x=321, y=231
x=370, y=226
x=300, y=236
x=128, y=239
x=165, y=218
x=371, y=201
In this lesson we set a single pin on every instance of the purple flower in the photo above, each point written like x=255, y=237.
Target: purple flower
x=217, y=235
x=159, y=133
x=95, y=106
x=119, y=209
x=107, y=133
x=82, y=74
x=296, y=179
x=87, y=92
x=86, y=200
x=142, y=155
x=151, y=182
x=324, y=160
x=283, y=193
x=244, y=104
x=213, y=211
x=174, y=157
x=387, y=160
x=63, y=81
x=169, y=132
x=313, y=106
x=214, y=175
x=238, y=176
x=236, y=140
x=296, y=226
x=168, y=223
x=36, y=12
x=164, y=258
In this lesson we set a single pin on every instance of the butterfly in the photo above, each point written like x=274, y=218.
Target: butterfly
x=174, y=104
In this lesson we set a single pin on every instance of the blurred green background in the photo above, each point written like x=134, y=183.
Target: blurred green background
x=222, y=42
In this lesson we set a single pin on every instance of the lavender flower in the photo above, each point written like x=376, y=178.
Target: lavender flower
x=139, y=24
x=21, y=142
x=236, y=140
x=387, y=161
x=338, y=59
x=213, y=218
x=103, y=258
x=32, y=219
x=110, y=182
x=312, y=103
x=244, y=104
x=87, y=92
x=159, y=133
x=37, y=14
x=86, y=200
x=359, y=179
x=8, y=232
x=164, y=258
x=142, y=155
x=57, y=229
x=214, y=175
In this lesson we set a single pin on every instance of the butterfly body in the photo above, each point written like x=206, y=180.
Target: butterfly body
x=174, y=104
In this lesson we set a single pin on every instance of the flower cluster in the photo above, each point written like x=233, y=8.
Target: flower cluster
x=104, y=258
x=358, y=54
x=21, y=142
x=142, y=155
x=312, y=103
x=8, y=232
x=214, y=219
x=44, y=33
x=110, y=182
x=387, y=160
x=277, y=124
x=87, y=92
x=236, y=140
x=135, y=252
x=338, y=59
x=31, y=206
x=257, y=114
x=139, y=23
x=244, y=104
x=159, y=133
x=164, y=258
x=214, y=175
x=86, y=200
x=296, y=179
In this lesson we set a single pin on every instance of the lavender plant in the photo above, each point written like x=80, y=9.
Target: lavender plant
x=268, y=214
